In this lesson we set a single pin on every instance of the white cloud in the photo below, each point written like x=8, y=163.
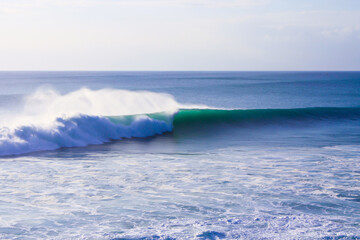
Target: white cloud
x=342, y=32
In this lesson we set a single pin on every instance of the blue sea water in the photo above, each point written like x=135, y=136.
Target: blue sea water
x=180, y=155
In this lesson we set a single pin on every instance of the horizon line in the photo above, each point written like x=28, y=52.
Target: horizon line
x=180, y=70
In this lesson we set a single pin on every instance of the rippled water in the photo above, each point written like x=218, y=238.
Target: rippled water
x=242, y=192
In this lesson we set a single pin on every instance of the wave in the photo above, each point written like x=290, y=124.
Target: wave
x=94, y=117
x=86, y=130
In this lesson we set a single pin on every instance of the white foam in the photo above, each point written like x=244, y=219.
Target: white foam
x=76, y=132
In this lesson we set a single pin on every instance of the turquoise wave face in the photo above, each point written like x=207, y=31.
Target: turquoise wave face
x=189, y=117
x=204, y=128
x=200, y=120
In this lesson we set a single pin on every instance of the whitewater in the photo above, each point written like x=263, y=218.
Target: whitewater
x=179, y=155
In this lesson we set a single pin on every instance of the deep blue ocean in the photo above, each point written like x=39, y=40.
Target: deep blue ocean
x=180, y=155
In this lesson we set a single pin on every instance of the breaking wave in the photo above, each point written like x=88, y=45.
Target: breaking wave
x=84, y=117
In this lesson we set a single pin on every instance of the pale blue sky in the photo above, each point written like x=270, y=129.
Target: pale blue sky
x=179, y=35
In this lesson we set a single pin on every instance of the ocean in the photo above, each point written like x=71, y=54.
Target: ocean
x=179, y=155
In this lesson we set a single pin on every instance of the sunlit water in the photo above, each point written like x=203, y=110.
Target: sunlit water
x=273, y=178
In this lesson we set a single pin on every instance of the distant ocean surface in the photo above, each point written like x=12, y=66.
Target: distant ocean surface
x=179, y=155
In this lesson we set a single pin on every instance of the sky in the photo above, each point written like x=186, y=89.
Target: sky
x=206, y=35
